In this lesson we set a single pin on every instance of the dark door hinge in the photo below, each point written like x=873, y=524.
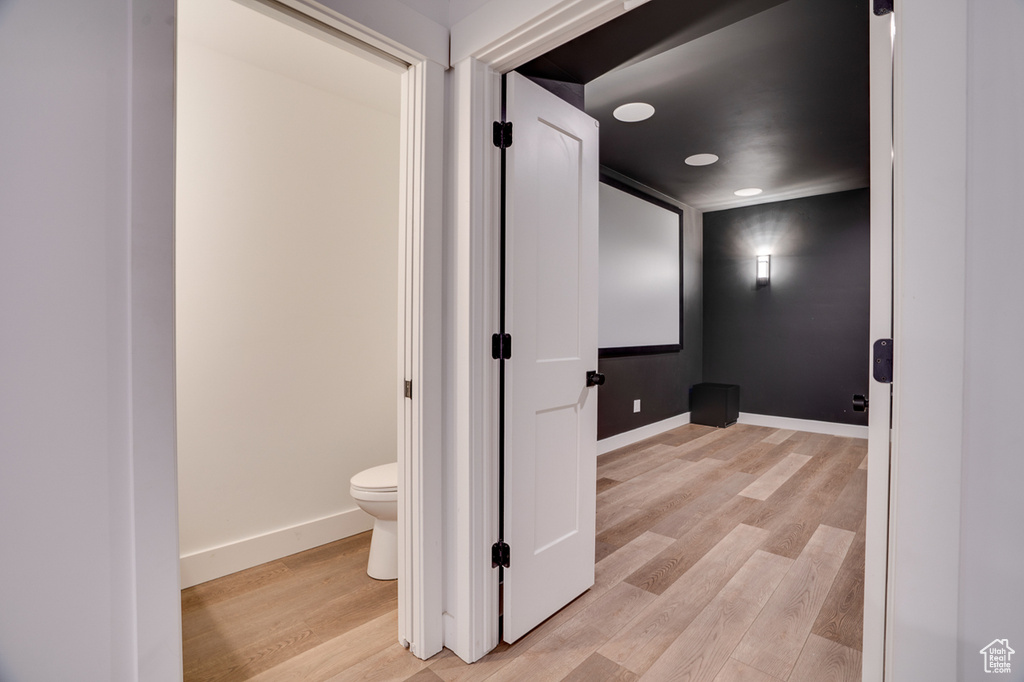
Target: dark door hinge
x=500, y=554
x=881, y=364
x=408, y=389
x=883, y=7
x=501, y=346
x=503, y=134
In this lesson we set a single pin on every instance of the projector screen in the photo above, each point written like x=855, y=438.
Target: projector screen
x=639, y=258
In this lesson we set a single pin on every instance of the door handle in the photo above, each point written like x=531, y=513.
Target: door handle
x=860, y=403
x=595, y=378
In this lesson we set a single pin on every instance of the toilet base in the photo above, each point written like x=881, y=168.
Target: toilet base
x=383, y=562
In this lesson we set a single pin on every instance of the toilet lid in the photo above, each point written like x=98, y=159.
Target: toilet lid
x=384, y=477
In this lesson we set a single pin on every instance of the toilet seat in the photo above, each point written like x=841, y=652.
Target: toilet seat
x=380, y=479
x=364, y=495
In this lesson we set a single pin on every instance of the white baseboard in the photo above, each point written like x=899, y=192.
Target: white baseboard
x=621, y=440
x=236, y=556
x=811, y=425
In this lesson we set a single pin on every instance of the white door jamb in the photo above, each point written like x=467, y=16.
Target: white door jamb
x=879, y=415
x=420, y=521
x=471, y=626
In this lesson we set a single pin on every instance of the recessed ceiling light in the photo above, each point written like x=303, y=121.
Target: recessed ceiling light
x=633, y=112
x=700, y=159
x=748, y=192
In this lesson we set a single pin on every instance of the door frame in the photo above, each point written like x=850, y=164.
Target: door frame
x=539, y=380
x=476, y=103
x=418, y=441
x=154, y=516
x=875, y=641
x=420, y=520
x=471, y=626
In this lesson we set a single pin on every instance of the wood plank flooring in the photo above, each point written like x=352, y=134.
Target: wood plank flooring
x=238, y=626
x=727, y=555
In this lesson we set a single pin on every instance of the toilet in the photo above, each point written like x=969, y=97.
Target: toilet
x=376, y=492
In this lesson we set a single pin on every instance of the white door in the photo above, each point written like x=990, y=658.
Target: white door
x=880, y=326
x=551, y=313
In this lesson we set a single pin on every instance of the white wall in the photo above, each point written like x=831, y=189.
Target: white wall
x=412, y=25
x=992, y=546
x=287, y=285
x=482, y=28
x=435, y=10
x=66, y=578
x=476, y=23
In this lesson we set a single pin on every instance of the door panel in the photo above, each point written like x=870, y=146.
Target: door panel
x=558, y=251
x=551, y=313
x=555, y=478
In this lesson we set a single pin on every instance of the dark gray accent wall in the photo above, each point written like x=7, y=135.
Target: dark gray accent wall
x=661, y=382
x=799, y=346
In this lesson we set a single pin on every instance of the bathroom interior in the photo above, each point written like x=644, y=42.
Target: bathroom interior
x=287, y=308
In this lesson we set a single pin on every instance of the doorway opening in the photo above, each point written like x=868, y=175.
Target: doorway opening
x=286, y=283
x=301, y=267
x=567, y=84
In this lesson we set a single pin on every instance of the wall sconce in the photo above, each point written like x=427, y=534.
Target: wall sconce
x=763, y=270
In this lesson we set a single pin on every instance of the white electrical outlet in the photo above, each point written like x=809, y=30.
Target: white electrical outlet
x=636, y=406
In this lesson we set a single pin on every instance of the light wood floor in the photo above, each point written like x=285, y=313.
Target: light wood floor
x=728, y=555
